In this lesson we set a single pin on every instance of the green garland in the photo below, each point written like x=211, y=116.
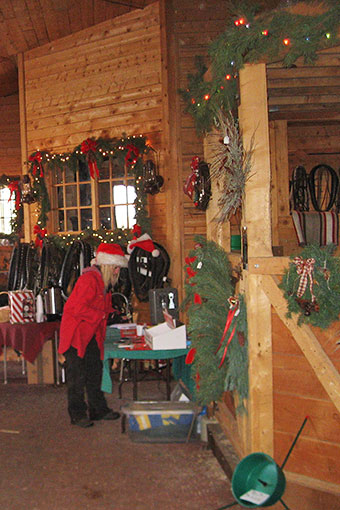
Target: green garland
x=323, y=307
x=208, y=288
x=126, y=149
x=251, y=37
x=93, y=237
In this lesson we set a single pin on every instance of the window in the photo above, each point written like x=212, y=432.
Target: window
x=7, y=210
x=82, y=202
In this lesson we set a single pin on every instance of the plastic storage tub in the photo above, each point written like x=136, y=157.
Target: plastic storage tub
x=161, y=422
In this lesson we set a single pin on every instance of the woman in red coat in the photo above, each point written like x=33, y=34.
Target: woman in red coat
x=82, y=335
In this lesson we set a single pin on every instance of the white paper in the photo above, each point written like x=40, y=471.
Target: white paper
x=254, y=496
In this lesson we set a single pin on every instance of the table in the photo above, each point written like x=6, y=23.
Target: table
x=112, y=351
x=29, y=339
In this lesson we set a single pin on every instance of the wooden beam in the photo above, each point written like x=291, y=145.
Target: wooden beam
x=23, y=140
x=172, y=144
x=260, y=400
x=253, y=116
x=324, y=369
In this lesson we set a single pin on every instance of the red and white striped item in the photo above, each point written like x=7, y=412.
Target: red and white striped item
x=22, y=306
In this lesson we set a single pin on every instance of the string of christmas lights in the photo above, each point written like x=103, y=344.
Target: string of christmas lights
x=252, y=37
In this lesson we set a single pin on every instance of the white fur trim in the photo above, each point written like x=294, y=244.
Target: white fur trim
x=108, y=259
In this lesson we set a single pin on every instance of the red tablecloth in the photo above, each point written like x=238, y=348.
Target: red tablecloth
x=27, y=338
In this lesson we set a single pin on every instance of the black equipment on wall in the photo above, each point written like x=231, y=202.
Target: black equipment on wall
x=299, y=189
x=23, y=268
x=152, y=181
x=323, y=187
x=160, y=300
x=77, y=257
x=148, y=272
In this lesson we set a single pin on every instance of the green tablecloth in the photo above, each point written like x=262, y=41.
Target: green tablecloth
x=112, y=351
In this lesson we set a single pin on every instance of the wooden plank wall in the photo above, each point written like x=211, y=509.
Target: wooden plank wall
x=10, y=159
x=304, y=113
x=297, y=394
x=196, y=25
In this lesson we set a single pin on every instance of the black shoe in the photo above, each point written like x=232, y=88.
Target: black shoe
x=107, y=415
x=82, y=422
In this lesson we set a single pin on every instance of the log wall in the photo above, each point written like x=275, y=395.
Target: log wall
x=10, y=158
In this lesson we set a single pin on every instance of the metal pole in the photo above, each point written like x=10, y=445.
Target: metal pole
x=229, y=506
x=294, y=442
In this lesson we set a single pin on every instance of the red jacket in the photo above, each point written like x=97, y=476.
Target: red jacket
x=85, y=313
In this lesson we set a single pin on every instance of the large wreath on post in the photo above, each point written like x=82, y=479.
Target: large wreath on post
x=311, y=285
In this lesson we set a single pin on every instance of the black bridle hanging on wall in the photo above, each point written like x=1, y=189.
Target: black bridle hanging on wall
x=323, y=184
x=299, y=189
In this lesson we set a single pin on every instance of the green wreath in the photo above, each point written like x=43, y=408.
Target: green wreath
x=311, y=285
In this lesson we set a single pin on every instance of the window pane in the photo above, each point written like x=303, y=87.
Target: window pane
x=84, y=173
x=104, y=172
x=131, y=215
x=58, y=176
x=6, y=210
x=104, y=193
x=71, y=196
x=131, y=194
x=105, y=218
x=117, y=169
x=85, y=194
x=60, y=197
x=70, y=176
x=119, y=194
x=121, y=216
x=61, y=225
x=86, y=218
x=72, y=220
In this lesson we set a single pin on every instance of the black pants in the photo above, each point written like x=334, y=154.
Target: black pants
x=85, y=374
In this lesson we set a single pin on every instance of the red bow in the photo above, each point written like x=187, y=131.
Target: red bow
x=40, y=234
x=36, y=159
x=197, y=299
x=190, y=356
x=137, y=231
x=190, y=260
x=89, y=147
x=132, y=154
x=14, y=188
x=305, y=269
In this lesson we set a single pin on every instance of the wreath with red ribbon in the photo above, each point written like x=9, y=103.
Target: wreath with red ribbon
x=311, y=285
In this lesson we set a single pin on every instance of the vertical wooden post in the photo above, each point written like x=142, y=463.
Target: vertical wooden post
x=23, y=139
x=253, y=116
x=171, y=143
x=280, y=175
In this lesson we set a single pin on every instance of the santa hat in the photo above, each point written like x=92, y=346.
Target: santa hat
x=145, y=243
x=110, y=254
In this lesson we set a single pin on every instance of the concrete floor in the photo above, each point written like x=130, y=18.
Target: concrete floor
x=47, y=464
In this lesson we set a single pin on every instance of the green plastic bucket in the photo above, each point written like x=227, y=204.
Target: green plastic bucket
x=258, y=481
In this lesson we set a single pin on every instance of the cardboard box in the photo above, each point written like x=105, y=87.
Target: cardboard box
x=162, y=422
x=42, y=370
x=163, y=336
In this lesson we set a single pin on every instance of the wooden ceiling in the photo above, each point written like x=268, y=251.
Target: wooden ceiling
x=27, y=24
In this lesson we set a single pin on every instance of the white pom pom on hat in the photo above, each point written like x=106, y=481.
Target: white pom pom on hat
x=110, y=254
x=145, y=243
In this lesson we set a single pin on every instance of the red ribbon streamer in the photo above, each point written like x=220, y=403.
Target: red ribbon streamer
x=14, y=188
x=230, y=317
x=132, y=154
x=234, y=308
x=89, y=147
x=36, y=159
x=190, y=356
x=305, y=269
x=40, y=234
